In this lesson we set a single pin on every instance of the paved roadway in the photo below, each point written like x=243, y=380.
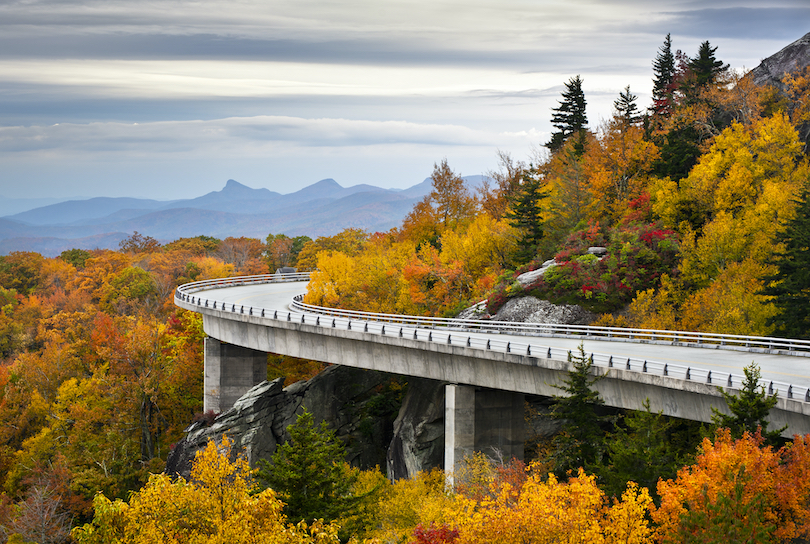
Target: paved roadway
x=785, y=369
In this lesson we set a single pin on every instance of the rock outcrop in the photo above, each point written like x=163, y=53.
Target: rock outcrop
x=418, y=441
x=476, y=311
x=771, y=71
x=530, y=277
x=795, y=56
x=534, y=310
x=359, y=405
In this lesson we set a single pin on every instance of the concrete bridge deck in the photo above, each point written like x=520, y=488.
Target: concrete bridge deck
x=779, y=368
x=517, y=363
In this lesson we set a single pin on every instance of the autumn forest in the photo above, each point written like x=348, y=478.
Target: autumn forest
x=700, y=201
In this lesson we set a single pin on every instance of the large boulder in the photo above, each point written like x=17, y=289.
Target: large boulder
x=535, y=310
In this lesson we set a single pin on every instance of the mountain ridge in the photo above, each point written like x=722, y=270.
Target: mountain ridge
x=320, y=209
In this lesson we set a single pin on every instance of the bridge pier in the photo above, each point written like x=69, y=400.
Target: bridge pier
x=230, y=371
x=459, y=424
x=485, y=420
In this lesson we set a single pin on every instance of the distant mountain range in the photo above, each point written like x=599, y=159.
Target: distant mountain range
x=321, y=209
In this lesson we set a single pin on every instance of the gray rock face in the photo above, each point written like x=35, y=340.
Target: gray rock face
x=354, y=402
x=793, y=57
x=418, y=442
x=530, y=277
x=476, y=311
x=598, y=251
x=534, y=310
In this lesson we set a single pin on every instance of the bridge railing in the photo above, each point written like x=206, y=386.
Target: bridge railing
x=457, y=332
x=236, y=281
x=696, y=339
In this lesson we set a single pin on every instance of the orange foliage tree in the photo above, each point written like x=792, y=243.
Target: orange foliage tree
x=743, y=488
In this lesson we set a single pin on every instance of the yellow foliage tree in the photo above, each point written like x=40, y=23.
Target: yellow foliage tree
x=98, y=271
x=732, y=304
x=653, y=309
x=331, y=283
x=347, y=241
x=617, y=165
x=744, y=188
x=408, y=502
x=216, y=506
x=211, y=268
x=729, y=210
x=454, y=203
x=798, y=91
x=482, y=248
x=550, y=511
x=390, y=275
x=570, y=201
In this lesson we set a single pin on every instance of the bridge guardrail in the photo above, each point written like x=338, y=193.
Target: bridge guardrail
x=451, y=331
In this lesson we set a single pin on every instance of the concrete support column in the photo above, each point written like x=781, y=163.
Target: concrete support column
x=230, y=371
x=459, y=424
x=499, y=424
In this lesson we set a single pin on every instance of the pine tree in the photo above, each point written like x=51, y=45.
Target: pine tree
x=790, y=285
x=309, y=474
x=569, y=117
x=749, y=409
x=664, y=70
x=641, y=452
x=627, y=109
x=526, y=215
x=705, y=66
x=581, y=440
x=680, y=149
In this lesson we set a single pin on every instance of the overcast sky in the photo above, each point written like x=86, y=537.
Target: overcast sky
x=169, y=99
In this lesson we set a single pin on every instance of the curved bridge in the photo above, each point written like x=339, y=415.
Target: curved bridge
x=680, y=372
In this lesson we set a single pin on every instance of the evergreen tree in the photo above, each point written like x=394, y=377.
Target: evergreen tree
x=705, y=66
x=569, y=117
x=750, y=409
x=627, y=108
x=790, y=285
x=664, y=70
x=526, y=215
x=680, y=149
x=641, y=451
x=581, y=440
x=309, y=474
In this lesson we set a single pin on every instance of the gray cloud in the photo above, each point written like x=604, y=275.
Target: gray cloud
x=272, y=91
x=169, y=137
x=787, y=23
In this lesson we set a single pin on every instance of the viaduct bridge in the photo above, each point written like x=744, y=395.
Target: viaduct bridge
x=488, y=366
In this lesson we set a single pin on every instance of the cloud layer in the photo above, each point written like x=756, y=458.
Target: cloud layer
x=160, y=98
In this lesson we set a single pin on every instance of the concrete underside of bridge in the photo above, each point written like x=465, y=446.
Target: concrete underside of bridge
x=462, y=366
